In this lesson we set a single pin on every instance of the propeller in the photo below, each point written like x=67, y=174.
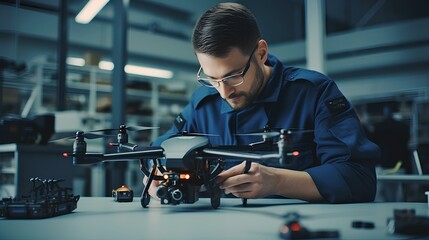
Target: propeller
x=297, y=130
x=186, y=133
x=123, y=127
x=269, y=134
x=87, y=135
x=266, y=134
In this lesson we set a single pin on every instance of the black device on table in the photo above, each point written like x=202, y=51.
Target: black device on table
x=46, y=199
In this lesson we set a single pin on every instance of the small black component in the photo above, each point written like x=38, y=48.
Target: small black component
x=123, y=194
x=46, y=199
x=363, y=224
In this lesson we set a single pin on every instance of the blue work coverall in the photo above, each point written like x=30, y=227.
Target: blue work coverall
x=337, y=154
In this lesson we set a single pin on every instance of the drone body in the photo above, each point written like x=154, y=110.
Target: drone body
x=186, y=162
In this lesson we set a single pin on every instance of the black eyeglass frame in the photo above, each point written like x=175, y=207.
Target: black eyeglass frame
x=216, y=83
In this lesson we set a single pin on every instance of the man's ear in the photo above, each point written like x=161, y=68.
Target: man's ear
x=262, y=51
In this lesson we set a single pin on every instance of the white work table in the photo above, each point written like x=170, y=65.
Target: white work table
x=103, y=218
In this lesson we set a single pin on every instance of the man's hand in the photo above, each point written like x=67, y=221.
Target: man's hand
x=259, y=182
x=262, y=181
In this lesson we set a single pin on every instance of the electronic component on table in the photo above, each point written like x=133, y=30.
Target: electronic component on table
x=123, y=194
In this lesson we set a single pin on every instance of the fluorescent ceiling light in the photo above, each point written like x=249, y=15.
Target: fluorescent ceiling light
x=75, y=61
x=91, y=9
x=147, y=71
x=105, y=65
x=132, y=69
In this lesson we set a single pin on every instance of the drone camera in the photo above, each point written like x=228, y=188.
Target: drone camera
x=177, y=188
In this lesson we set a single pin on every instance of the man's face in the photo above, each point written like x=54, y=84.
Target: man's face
x=238, y=97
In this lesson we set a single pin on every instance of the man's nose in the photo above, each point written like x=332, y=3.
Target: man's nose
x=225, y=90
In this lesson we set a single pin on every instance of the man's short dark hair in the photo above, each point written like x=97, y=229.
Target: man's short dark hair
x=223, y=27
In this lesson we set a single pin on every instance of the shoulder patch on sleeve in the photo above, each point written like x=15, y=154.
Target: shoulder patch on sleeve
x=337, y=105
x=179, y=122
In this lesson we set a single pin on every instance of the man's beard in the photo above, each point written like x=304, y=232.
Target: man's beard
x=250, y=96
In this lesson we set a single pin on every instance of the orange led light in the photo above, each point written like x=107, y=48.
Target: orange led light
x=184, y=176
x=166, y=177
x=295, y=153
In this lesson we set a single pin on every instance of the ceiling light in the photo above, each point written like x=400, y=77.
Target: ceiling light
x=131, y=69
x=90, y=10
x=105, y=65
x=147, y=71
x=75, y=61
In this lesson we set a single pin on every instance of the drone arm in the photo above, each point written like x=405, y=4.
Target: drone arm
x=146, y=153
x=241, y=155
x=90, y=158
x=283, y=155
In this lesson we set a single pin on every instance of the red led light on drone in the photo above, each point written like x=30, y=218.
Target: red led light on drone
x=295, y=227
x=65, y=154
x=295, y=153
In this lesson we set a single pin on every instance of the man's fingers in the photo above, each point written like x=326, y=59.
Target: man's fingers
x=235, y=181
x=245, y=187
x=236, y=170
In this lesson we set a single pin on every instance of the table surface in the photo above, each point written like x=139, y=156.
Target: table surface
x=103, y=218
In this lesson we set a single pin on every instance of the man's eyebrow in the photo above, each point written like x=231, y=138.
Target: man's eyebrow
x=232, y=72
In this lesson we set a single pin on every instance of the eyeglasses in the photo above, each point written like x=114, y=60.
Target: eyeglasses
x=232, y=80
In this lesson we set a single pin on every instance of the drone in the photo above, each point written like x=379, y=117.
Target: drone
x=185, y=161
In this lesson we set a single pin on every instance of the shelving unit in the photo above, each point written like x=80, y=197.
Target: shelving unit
x=149, y=101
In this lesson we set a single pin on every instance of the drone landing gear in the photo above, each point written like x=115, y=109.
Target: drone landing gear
x=215, y=197
x=145, y=198
x=210, y=182
x=246, y=170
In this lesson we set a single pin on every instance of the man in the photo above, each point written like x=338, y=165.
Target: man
x=245, y=88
